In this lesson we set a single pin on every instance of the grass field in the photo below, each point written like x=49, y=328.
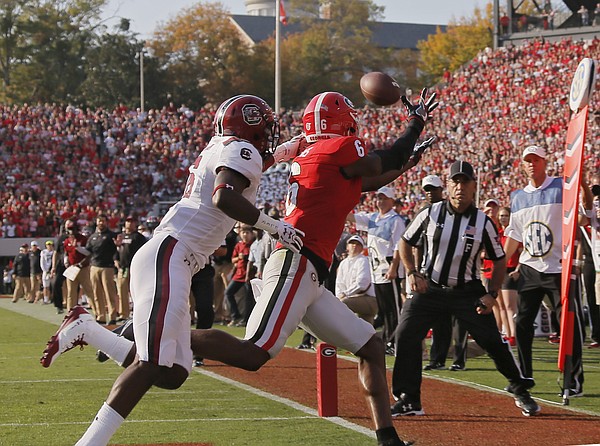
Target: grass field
x=54, y=406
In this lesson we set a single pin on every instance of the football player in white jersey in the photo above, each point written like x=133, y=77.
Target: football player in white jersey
x=220, y=190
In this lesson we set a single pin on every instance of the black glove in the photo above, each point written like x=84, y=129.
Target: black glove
x=417, y=153
x=423, y=108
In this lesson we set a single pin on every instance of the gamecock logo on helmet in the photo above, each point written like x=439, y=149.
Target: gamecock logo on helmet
x=251, y=114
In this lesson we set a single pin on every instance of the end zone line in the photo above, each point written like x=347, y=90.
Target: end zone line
x=293, y=404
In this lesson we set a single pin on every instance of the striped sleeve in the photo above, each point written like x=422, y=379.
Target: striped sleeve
x=417, y=226
x=491, y=241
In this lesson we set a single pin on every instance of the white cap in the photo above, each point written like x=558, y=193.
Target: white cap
x=34, y=243
x=432, y=180
x=356, y=238
x=387, y=191
x=491, y=201
x=534, y=150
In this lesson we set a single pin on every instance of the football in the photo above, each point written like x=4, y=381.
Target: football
x=380, y=88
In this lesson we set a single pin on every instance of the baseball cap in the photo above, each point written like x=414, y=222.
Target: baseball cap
x=130, y=218
x=49, y=242
x=534, y=150
x=356, y=238
x=432, y=180
x=34, y=243
x=387, y=191
x=491, y=201
x=24, y=245
x=462, y=168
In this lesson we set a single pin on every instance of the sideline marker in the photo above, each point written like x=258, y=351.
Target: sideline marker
x=327, y=389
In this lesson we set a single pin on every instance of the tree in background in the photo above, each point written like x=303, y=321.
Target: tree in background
x=203, y=55
x=459, y=44
x=53, y=36
x=331, y=54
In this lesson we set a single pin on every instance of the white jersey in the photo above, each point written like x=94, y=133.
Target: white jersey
x=46, y=260
x=535, y=221
x=194, y=220
x=384, y=232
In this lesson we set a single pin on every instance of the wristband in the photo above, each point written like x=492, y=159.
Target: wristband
x=267, y=223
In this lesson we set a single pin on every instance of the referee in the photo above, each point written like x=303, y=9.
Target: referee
x=454, y=233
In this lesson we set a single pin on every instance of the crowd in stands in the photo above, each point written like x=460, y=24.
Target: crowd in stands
x=69, y=162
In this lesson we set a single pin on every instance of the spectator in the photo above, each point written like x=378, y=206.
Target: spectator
x=36, y=272
x=22, y=273
x=79, y=263
x=537, y=209
x=384, y=227
x=46, y=266
x=508, y=292
x=353, y=284
x=130, y=240
x=103, y=251
x=239, y=258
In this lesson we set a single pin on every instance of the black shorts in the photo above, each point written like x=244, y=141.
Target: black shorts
x=509, y=283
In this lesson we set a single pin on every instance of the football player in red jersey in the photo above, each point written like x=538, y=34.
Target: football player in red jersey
x=330, y=170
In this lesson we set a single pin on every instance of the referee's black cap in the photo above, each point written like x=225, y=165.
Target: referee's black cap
x=462, y=168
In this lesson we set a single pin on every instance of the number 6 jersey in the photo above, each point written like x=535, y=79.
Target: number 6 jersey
x=319, y=196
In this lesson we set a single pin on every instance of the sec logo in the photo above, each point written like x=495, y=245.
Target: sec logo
x=538, y=239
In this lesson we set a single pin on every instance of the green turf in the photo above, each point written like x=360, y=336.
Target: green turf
x=54, y=406
x=480, y=370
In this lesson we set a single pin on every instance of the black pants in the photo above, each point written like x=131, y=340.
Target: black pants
x=57, y=286
x=533, y=286
x=589, y=281
x=203, y=290
x=419, y=314
x=389, y=303
x=233, y=288
x=445, y=329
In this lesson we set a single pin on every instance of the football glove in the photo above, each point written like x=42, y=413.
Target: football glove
x=423, y=108
x=289, y=236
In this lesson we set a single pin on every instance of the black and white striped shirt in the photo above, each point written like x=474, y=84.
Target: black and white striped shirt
x=452, y=243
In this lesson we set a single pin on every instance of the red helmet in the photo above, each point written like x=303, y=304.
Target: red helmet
x=329, y=115
x=250, y=118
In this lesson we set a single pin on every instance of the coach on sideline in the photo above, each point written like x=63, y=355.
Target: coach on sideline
x=454, y=233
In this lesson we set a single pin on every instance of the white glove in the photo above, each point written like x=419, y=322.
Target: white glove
x=290, y=237
x=289, y=149
x=287, y=235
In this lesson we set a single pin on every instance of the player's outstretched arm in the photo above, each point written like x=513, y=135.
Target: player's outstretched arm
x=380, y=167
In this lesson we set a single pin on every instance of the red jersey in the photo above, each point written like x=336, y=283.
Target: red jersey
x=319, y=197
x=242, y=264
x=73, y=248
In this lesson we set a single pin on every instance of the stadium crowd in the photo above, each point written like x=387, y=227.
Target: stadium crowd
x=69, y=162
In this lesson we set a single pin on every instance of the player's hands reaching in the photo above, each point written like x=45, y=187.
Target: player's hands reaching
x=423, y=108
x=417, y=153
x=289, y=236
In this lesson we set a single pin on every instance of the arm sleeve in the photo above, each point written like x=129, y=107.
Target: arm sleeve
x=491, y=241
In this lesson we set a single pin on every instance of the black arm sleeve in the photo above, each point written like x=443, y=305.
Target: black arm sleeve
x=396, y=156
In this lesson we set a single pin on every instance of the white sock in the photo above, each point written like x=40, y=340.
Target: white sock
x=115, y=346
x=103, y=427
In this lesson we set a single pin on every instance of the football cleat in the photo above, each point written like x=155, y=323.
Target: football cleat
x=69, y=335
x=527, y=405
x=407, y=407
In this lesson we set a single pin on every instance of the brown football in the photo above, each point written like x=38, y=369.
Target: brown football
x=380, y=88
